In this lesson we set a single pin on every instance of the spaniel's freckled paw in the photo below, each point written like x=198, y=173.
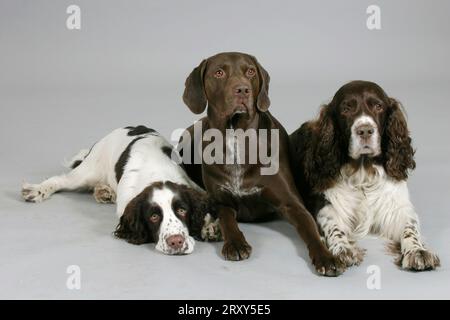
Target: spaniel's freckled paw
x=419, y=260
x=350, y=256
x=34, y=192
x=211, y=229
x=104, y=194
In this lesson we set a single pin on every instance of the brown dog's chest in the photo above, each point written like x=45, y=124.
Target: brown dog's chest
x=239, y=182
x=240, y=177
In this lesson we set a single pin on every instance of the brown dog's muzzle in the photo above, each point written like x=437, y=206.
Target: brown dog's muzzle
x=242, y=94
x=240, y=102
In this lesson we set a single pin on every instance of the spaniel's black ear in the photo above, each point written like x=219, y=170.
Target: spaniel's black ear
x=322, y=159
x=194, y=95
x=262, y=101
x=132, y=226
x=398, y=150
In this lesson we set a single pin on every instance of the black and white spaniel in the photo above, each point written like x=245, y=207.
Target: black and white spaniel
x=351, y=166
x=156, y=200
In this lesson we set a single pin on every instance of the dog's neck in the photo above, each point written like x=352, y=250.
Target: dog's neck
x=243, y=123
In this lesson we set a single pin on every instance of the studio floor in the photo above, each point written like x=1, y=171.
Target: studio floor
x=38, y=242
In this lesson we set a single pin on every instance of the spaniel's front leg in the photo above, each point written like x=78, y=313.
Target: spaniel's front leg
x=336, y=237
x=414, y=255
x=397, y=220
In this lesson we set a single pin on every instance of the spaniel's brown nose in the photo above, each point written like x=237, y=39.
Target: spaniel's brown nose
x=176, y=241
x=242, y=91
x=365, y=131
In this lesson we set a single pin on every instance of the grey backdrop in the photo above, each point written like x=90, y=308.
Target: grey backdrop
x=61, y=90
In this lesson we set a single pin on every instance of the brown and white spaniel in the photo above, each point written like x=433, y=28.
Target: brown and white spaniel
x=135, y=168
x=351, y=166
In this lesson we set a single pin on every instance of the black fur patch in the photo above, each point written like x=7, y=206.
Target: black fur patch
x=136, y=131
x=168, y=151
x=76, y=164
x=123, y=159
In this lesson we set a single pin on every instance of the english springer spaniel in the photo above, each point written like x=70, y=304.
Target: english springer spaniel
x=156, y=200
x=351, y=166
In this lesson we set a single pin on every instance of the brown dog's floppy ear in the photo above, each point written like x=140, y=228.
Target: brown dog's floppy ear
x=262, y=101
x=397, y=143
x=194, y=92
x=132, y=226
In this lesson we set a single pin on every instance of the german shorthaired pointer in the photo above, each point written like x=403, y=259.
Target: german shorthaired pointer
x=235, y=87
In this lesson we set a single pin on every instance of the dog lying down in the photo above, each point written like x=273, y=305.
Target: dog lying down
x=156, y=200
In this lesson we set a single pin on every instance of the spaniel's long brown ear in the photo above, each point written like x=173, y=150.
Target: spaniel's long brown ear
x=398, y=150
x=194, y=95
x=262, y=101
x=200, y=206
x=132, y=226
x=322, y=162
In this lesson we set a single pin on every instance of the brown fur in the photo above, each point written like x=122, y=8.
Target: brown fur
x=134, y=226
x=398, y=151
x=230, y=105
x=319, y=148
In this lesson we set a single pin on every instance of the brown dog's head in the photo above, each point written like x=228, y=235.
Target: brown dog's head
x=361, y=123
x=234, y=86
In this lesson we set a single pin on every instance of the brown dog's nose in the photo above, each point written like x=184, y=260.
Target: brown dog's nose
x=242, y=90
x=365, y=131
x=175, y=242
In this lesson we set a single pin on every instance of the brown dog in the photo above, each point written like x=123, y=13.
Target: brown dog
x=235, y=88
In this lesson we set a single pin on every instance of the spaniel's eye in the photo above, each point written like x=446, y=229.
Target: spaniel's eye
x=154, y=218
x=251, y=72
x=346, y=109
x=219, y=74
x=181, y=212
x=378, y=107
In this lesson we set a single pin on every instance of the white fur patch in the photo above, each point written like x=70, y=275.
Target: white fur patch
x=170, y=225
x=359, y=147
x=371, y=203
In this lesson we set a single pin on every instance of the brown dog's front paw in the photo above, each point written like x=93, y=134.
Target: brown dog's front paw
x=328, y=265
x=420, y=260
x=236, y=250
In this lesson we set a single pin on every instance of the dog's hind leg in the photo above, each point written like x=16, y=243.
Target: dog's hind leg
x=104, y=194
x=83, y=176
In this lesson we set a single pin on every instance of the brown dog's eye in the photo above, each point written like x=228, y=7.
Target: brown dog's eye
x=181, y=212
x=219, y=73
x=251, y=72
x=154, y=218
